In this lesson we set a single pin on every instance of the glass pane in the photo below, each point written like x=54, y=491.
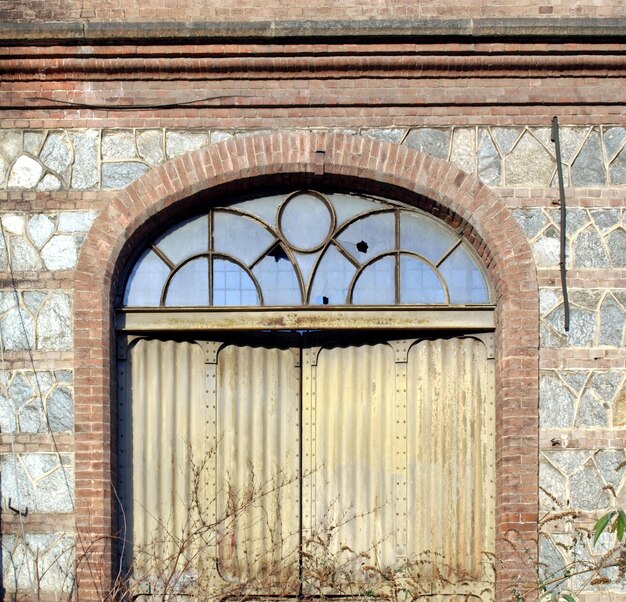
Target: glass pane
x=306, y=263
x=265, y=208
x=240, y=237
x=278, y=281
x=232, y=285
x=370, y=236
x=332, y=279
x=347, y=206
x=419, y=282
x=146, y=281
x=190, y=285
x=424, y=236
x=305, y=221
x=466, y=283
x=185, y=239
x=377, y=284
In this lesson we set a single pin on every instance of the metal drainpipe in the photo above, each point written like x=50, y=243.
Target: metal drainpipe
x=562, y=265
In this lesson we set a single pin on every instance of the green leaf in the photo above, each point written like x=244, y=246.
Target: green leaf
x=601, y=525
x=553, y=596
x=621, y=525
x=569, y=598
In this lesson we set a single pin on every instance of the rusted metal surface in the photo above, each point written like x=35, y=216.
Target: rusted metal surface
x=479, y=318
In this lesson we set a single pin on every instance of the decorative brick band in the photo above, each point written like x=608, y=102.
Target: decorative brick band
x=301, y=159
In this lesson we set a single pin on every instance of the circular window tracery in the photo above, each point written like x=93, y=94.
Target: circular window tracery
x=306, y=248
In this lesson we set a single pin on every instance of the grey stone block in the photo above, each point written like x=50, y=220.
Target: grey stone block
x=588, y=168
x=24, y=257
x=25, y=173
x=40, y=228
x=388, y=134
x=616, y=242
x=118, y=145
x=85, y=171
x=432, y=141
x=60, y=253
x=56, y=153
x=150, y=145
x=531, y=221
x=586, y=490
x=612, y=321
x=54, y=323
x=529, y=163
x=556, y=403
x=589, y=251
x=489, y=161
x=613, y=140
x=180, y=142
x=120, y=175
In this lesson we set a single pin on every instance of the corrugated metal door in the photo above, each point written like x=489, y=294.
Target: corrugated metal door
x=161, y=437
x=374, y=456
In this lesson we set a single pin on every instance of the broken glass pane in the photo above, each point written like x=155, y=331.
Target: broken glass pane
x=376, y=285
x=278, y=281
x=240, y=237
x=232, y=285
x=189, y=287
x=419, y=282
x=332, y=279
x=370, y=236
x=305, y=221
x=422, y=235
x=465, y=280
x=186, y=239
x=146, y=281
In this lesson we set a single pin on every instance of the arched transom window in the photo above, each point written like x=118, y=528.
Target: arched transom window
x=308, y=249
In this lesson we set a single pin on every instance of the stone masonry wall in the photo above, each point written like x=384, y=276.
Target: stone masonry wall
x=583, y=372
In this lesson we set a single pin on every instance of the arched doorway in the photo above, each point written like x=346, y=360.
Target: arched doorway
x=306, y=404
x=242, y=165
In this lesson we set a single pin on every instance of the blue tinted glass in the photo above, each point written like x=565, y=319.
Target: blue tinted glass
x=466, y=283
x=278, y=281
x=146, y=281
x=265, y=208
x=240, y=237
x=189, y=287
x=305, y=221
x=332, y=279
x=232, y=285
x=347, y=206
x=376, y=284
x=188, y=238
x=419, y=282
x=422, y=235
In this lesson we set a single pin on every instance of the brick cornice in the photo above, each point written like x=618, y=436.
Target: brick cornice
x=346, y=63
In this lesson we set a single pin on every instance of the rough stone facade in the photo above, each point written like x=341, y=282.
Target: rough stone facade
x=94, y=127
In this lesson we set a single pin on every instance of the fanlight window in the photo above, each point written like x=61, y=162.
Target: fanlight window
x=307, y=249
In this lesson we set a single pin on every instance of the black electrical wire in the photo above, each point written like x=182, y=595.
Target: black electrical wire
x=562, y=262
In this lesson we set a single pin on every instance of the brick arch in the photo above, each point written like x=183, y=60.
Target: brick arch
x=379, y=167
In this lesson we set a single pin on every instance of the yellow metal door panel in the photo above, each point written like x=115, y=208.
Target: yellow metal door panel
x=161, y=438
x=451, y=462
x=258, y=465
x=352, y=496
